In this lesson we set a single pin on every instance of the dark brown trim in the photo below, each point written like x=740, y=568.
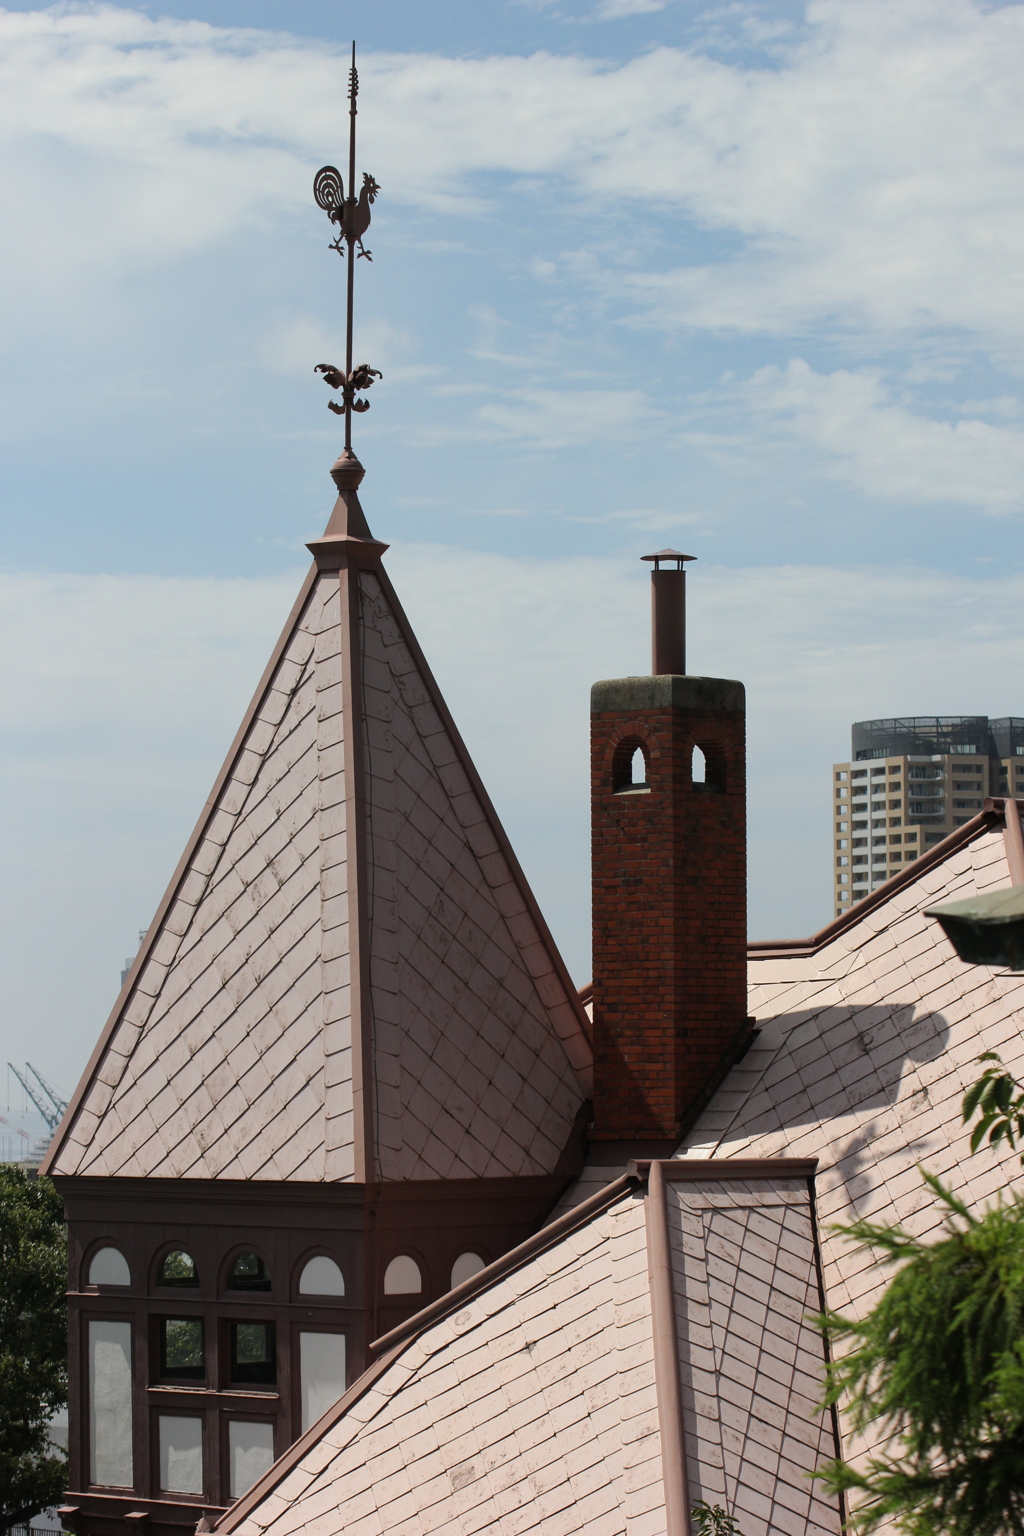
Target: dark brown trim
x=986, y=821
x=1013, y=839
x=361, y=1001
x=678, y=1170
x=469, y=768
x=819, y=1271
x=190, y=1192
x=184, y=863
x=513, y=1260
x=295, y=1452
x=337, y=551
x=666, y=1357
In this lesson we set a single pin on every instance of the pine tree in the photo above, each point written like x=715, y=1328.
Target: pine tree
x=938, y=1365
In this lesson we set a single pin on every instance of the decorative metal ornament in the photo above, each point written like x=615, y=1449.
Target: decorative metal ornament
x=986, y=930
x=352, y=216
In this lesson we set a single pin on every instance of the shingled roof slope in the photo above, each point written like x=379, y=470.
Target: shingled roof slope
x=348, y=977
x=537, y=1398
x=868, y=1040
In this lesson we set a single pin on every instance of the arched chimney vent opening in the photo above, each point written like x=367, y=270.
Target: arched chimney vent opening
x=629, y=767
x=708, y=767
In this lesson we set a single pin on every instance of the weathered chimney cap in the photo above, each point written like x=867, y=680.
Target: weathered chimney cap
x=668, y=554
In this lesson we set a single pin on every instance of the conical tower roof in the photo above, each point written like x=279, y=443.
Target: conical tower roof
x=348, y=978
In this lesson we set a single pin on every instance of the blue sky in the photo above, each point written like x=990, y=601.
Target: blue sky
x=743, y=279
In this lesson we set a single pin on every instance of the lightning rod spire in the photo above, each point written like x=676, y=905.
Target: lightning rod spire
x=352, y=216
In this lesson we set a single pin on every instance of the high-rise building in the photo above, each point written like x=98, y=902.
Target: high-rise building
x=908, y=784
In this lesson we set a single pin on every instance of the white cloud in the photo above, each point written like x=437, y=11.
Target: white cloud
x=615, y=10
x=119, y=696
x=871, y=170
x=288, y=346
x=885, y=447
x=123, y=655
x=553, y=419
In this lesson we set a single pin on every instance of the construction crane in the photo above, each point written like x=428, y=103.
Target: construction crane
x=59, y=1104
x=52, y=1111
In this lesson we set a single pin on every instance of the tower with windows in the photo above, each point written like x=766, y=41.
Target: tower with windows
x=347, y=1069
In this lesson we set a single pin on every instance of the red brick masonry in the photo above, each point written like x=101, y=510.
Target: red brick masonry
x=669, y=896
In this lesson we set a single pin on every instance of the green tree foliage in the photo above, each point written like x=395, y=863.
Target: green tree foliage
x=33, y=1343
x=712, y=1520
x=938, y=1365
x=998, y=1101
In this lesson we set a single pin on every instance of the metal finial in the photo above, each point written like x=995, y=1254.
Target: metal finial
x=352, y=216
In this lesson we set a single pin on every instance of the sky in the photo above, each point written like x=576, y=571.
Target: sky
x=742, y=279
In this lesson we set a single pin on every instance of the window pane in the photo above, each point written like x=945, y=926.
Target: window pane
x=110, y=1404
x=402, y=1277
x=321, y=1277
x=250, y=1454
x=322, y=1373
x=469, y=1264
x=181, y=1348
x=108, y=1267
x=253, y=1353
x=177, y=1268
x=181, y=1454
x=248, y=1273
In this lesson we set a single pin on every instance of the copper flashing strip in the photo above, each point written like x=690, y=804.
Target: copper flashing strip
x=358, y=854
x=677, y=1170
x=819, y=1273
x=170, y=894
x=1013, y=838
x=987, y=820
x=295, y=1452
x=666, y=1357
x=469, y=768
x=513, y=1260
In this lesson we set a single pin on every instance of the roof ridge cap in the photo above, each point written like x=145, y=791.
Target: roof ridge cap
x=985, y=821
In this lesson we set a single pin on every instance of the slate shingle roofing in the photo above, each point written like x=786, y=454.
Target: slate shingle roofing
x=232, y=1053
x=529, y=1401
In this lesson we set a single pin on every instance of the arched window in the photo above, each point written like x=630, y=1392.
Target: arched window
x=321, y=1277
x=178, y=1268
x=465, y=1267
x=402, y=1277
x=248, y=1273
x=698, y=773
x=109, y=1267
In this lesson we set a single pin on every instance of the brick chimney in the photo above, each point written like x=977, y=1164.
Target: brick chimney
x=669, y=882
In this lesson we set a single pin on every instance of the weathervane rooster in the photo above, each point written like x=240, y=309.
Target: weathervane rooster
x=352, y=216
